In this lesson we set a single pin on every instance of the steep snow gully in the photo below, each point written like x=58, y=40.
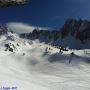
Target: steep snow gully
x=31, y=65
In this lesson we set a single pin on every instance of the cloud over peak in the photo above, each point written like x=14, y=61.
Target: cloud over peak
x=22, y=27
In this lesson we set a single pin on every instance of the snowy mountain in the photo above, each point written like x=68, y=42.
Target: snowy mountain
x=74, y=34
x=3, y=30
x=33, y=65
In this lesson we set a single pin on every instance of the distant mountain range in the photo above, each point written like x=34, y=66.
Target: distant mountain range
x=80, y=29
x=74, y=34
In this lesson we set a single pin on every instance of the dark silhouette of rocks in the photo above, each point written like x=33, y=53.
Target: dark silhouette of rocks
x=3, y=30
x=8, y=3
x=80, y=29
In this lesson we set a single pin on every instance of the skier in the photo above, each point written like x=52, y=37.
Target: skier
x=71, y=56
x=61, y=50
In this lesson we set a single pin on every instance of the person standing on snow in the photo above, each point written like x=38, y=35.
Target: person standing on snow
x=71, y=56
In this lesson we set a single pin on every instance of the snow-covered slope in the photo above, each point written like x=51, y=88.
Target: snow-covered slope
x=31, y=65
x=72, y=43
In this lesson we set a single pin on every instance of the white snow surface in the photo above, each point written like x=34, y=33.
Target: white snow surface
x=72, y=42
x=28, y=68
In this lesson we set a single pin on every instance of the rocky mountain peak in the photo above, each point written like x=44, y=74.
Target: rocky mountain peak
x=79, y=29
x=3, y=29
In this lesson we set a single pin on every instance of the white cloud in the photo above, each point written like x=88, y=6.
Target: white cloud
x=20, y=27
x=23, y=28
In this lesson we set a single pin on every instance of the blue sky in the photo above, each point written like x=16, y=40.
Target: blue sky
x=46, y=13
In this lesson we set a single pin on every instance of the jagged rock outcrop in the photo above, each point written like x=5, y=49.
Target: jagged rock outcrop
x=80, y=29
x=42, y=35
x=3, y=30
x=7, y=3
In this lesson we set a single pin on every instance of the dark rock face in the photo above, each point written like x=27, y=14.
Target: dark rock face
x=10, y=47
x=70, y=27
x=42, y=35
x=7, y=3
x=3, y=30
x=80, y=29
